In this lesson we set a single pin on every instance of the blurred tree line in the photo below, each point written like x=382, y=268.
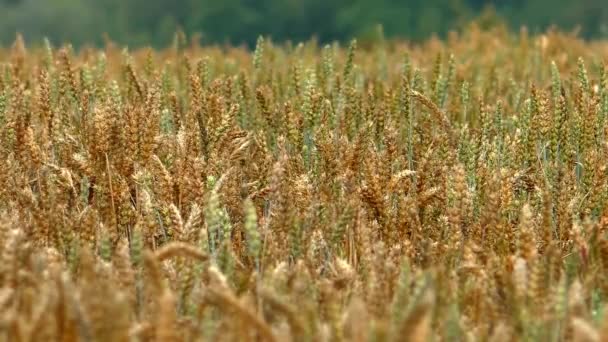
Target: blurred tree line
x=154, y=22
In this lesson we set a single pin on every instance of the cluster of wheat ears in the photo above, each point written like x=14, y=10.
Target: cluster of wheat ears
x=452, y=190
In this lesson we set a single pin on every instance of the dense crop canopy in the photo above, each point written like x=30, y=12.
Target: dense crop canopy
x=445, y=191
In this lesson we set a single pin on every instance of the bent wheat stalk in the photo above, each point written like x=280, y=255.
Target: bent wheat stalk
x=225, y=301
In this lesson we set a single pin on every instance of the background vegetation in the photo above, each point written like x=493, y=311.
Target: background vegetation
x=237, y=21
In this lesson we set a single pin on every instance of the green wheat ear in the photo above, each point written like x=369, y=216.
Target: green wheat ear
x=258, y=54
x=348, y=68
x=136, y=246
x=447, y=81
x=99, y=71
x=105, y=245
x=556, y=82
x=254, y=244
x=73, y=253
x=603, y=88
x=48, y=54
x=86, y=74
x=115, y=94
x=437, y=79
x=583, y=78
x=328, y=68
x=213, y=220
x=205, y=72
x=465, y=97
x=166, y=83
x=295, y=239
x=2, y=106
x=307, y=106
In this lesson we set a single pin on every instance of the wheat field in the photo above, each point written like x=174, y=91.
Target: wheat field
x=452, y=190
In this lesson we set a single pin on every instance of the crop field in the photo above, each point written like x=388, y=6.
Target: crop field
x=452, y=190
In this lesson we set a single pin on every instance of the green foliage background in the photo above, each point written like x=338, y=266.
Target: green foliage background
x=138, y=22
